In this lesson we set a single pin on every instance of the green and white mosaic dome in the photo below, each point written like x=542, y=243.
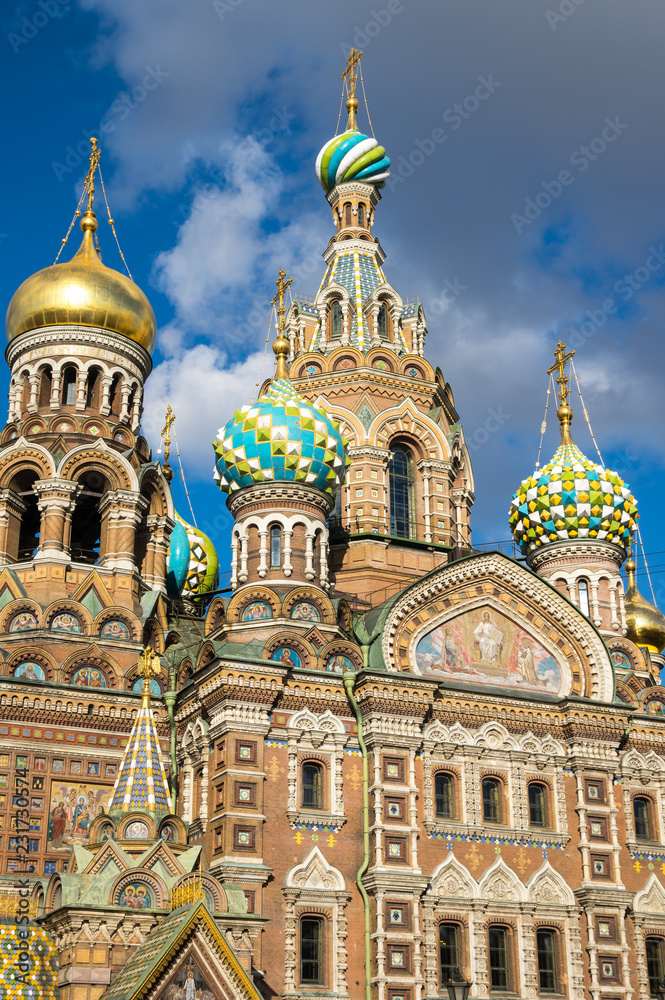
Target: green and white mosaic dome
x=281, y=438
x=571, y=497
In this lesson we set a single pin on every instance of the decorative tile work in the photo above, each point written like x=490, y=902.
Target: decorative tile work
x=39, y=972
x=141, y=782
x=281, y=438
x=571, y=497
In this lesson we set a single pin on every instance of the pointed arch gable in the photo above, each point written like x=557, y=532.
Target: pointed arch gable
x=100, y=457
x=452, y=879
x=549, y=888
x=23, y=454
x=315, y=873
x=501, y=884
x=407, y=419
x=650, y=899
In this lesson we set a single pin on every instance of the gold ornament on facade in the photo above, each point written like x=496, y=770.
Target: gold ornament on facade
x=645, y=624
x=83, y=291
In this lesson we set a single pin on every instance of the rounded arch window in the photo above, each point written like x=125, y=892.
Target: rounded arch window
x=443, y=795
x=492, y=800
x=336, y=318
x=642, y=818
x=361, y=214
x=275, y=546
x=382, y=320
x=312, y=785
x=348, y=214
x=69, y=386
x=583, y=596
x=401, y=482
x=537, y=795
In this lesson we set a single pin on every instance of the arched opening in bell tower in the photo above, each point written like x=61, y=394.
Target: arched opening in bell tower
x=86, y=536
x=27, y=540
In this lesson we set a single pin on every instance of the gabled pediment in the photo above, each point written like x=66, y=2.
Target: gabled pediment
x=11, y=588
x=501, y=884
x=651, y=899
x=110, y=852
x=452, y=879
x=92, y=594
x=161, y=855
x=548, y=888
x=315, y=873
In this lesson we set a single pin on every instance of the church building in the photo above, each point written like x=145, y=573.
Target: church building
x=380, y=761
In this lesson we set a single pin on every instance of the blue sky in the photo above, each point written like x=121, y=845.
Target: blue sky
x=527, y=148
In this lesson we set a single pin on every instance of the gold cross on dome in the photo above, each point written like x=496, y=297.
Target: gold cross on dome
x=166, y=433
x=95, y=154
x=282, y=286
x=559, y=366
x=350, y=77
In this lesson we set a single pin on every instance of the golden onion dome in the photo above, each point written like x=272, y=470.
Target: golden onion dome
x=83, y=292
x=645, y=624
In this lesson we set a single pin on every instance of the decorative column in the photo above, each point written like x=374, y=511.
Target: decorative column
x=121, y=512
x=105, y=408
x=80, y=389
x=12, y=510
x=55, y=389
x=263, y=552
x=34, y=389
x=55, y=499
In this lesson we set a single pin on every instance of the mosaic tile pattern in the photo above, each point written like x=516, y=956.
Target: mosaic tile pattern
x=352, y=156
x=34, y=979
x=192, y=562
x=141, y=783
x=282, y=438
x=571, y=497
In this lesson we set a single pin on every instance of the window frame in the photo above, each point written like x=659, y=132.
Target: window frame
x=498, y=783
x=320, y=960
x=275, y=536
x=507, y=932
x=544, y=788
x=555, y=970
x=320, y=770
x=404, y=482
x=457, y=962
x=451, y=786
x=656, y=939
x=648, y=803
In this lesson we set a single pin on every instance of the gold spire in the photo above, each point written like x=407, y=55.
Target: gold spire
x=564, y=413
x=350, y=74
x=281, y=345
x=149, y=667
x=166, y=437
x=645, y=624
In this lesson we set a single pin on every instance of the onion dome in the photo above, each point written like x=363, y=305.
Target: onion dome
x=281, y=438
x=352, y=156
x=571, y=497
x=645, y=624
x=192, y=562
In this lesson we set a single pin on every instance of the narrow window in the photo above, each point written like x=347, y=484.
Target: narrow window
x=45, y=386
x=642, y=816
x=537, y=805
x=69, y=387
x=546, y=954
x=655, y=964
x=312, y=786
x=449, y=957
x=499, y=959
x=382, y=320
x=583, y=596
x=348, y=216
x=336, y=319
x=311, y=950
x=361, y=215
x=491, y=800
x=401, y=492
x=275, y=545
x=443, y=795
x=92, y=390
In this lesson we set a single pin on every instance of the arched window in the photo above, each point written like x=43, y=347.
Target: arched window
x=275, y=546
x=382, y=320
x=499, y=959
x=45, y=386
x=348, y=214
x=86, y=519
x=655, y=951
x=115, y=396
x=311, y=951
x=548, y=965
x=401, y=492
x=642, y=818
x=361, y=214
x=312, y=786
x=537, y=805
x=336, y=319
x=492, y=790
x=449, y=952
x=28, y=534
x=443, y=795
x=69, y=387
x=92, y=389
x=583, y=596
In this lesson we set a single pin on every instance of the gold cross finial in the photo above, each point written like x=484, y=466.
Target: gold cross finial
x=166, y=437
x=564, y=413
x=281, y=345
x=350, y=76
x=95, y=154
x=149, y=666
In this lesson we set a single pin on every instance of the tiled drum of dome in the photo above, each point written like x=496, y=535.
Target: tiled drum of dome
x=571, y=497
x=281, y=438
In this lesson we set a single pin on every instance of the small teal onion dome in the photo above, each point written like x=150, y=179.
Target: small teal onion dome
x=281, y=438
x=352, y=156
x=571, y=497
x=192, y=562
